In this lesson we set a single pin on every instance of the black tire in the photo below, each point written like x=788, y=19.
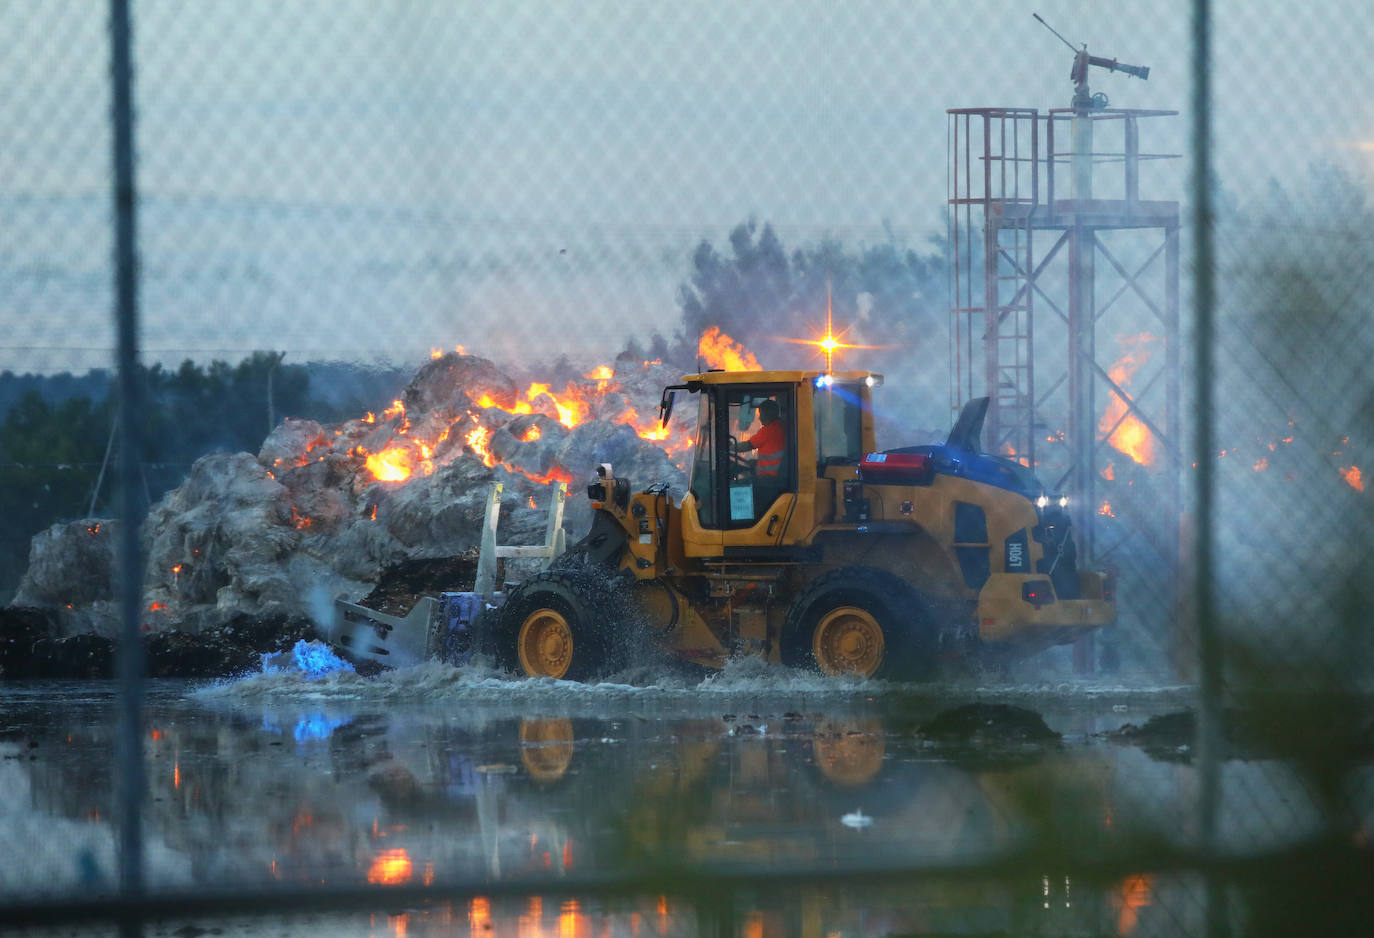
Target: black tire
x=851, y=603
x=561, y=624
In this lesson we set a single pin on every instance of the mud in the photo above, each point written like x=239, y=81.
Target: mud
x=402, y=584
x=1322, y=730
x=988, y=722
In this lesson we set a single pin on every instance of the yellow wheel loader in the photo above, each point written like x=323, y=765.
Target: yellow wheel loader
x=807, y=544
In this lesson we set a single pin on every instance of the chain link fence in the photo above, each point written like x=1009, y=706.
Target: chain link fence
x=332, y=196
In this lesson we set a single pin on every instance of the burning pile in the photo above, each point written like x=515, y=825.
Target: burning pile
x=321, y=510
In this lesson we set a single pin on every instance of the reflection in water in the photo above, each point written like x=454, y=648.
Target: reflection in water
x=390, y=868
x=1134, y=895
x=392, y=795
x=849, y=752
x=546, y=747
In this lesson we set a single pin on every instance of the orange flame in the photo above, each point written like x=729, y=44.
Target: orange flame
x=477, y=439
x=395, y=410
x=1131, y=437
x=299, y=521
x=718, y=350
x=1106, y=510
x=373, y=515
x=600, y=374
x=531, y=434
x=436, y=352
x=1353, y=478
x=391, y=465
x=157, y=607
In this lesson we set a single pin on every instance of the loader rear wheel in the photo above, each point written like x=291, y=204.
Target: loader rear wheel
x=861, y=622
x=561, y=625
x=848, y=640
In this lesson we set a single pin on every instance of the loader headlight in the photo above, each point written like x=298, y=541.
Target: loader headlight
x=1063, y=501
x=1042, y=502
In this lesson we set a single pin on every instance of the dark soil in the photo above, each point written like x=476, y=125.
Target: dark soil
x=401, y=584
x=988, y=722
x=31, y=650
x=1313, y=730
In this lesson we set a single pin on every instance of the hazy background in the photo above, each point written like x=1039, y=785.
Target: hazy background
x=367, y=180
x=361, y=183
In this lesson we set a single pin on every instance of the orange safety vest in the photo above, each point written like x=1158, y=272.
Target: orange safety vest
x=771, y=443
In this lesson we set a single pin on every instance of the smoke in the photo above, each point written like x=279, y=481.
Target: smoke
x=889, y=296
x=1296, y=417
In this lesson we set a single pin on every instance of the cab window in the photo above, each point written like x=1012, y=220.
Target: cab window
x=761, y=451
x=703, y=481
x=839, y=424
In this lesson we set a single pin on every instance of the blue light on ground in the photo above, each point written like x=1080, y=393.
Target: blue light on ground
x=313, y=659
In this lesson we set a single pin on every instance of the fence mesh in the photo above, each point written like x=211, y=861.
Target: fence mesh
x=575, y=206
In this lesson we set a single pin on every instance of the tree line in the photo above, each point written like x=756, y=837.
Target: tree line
x=58, y=432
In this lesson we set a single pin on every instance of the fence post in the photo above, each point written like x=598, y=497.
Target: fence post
x=130, y=656
x=1209, y=643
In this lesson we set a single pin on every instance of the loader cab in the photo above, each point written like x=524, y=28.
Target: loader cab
x=745, y=458
x=753, y=490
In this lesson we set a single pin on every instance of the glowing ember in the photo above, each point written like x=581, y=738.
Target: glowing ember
x=299, y=521
x=93, y=528
x=1131, y=437
x=1353, y=478
x=1261, y=464
x=390, y=868
x=718, y=350
x=436, y=353
x=1109, y=473
x=531, y=502
x=1106, y=510
x=373, y=515
x=411, y=452
x=157, y=607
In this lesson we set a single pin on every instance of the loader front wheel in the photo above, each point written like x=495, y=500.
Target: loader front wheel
x=560, y=625
x=545, y=643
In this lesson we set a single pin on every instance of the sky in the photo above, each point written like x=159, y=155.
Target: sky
x=369, y=180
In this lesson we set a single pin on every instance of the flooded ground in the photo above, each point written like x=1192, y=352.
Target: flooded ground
x=436, y=775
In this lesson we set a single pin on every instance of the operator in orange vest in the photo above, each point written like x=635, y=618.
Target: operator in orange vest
x=770, y=441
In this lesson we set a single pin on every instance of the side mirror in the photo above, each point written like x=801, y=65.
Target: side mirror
x=665, y=406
